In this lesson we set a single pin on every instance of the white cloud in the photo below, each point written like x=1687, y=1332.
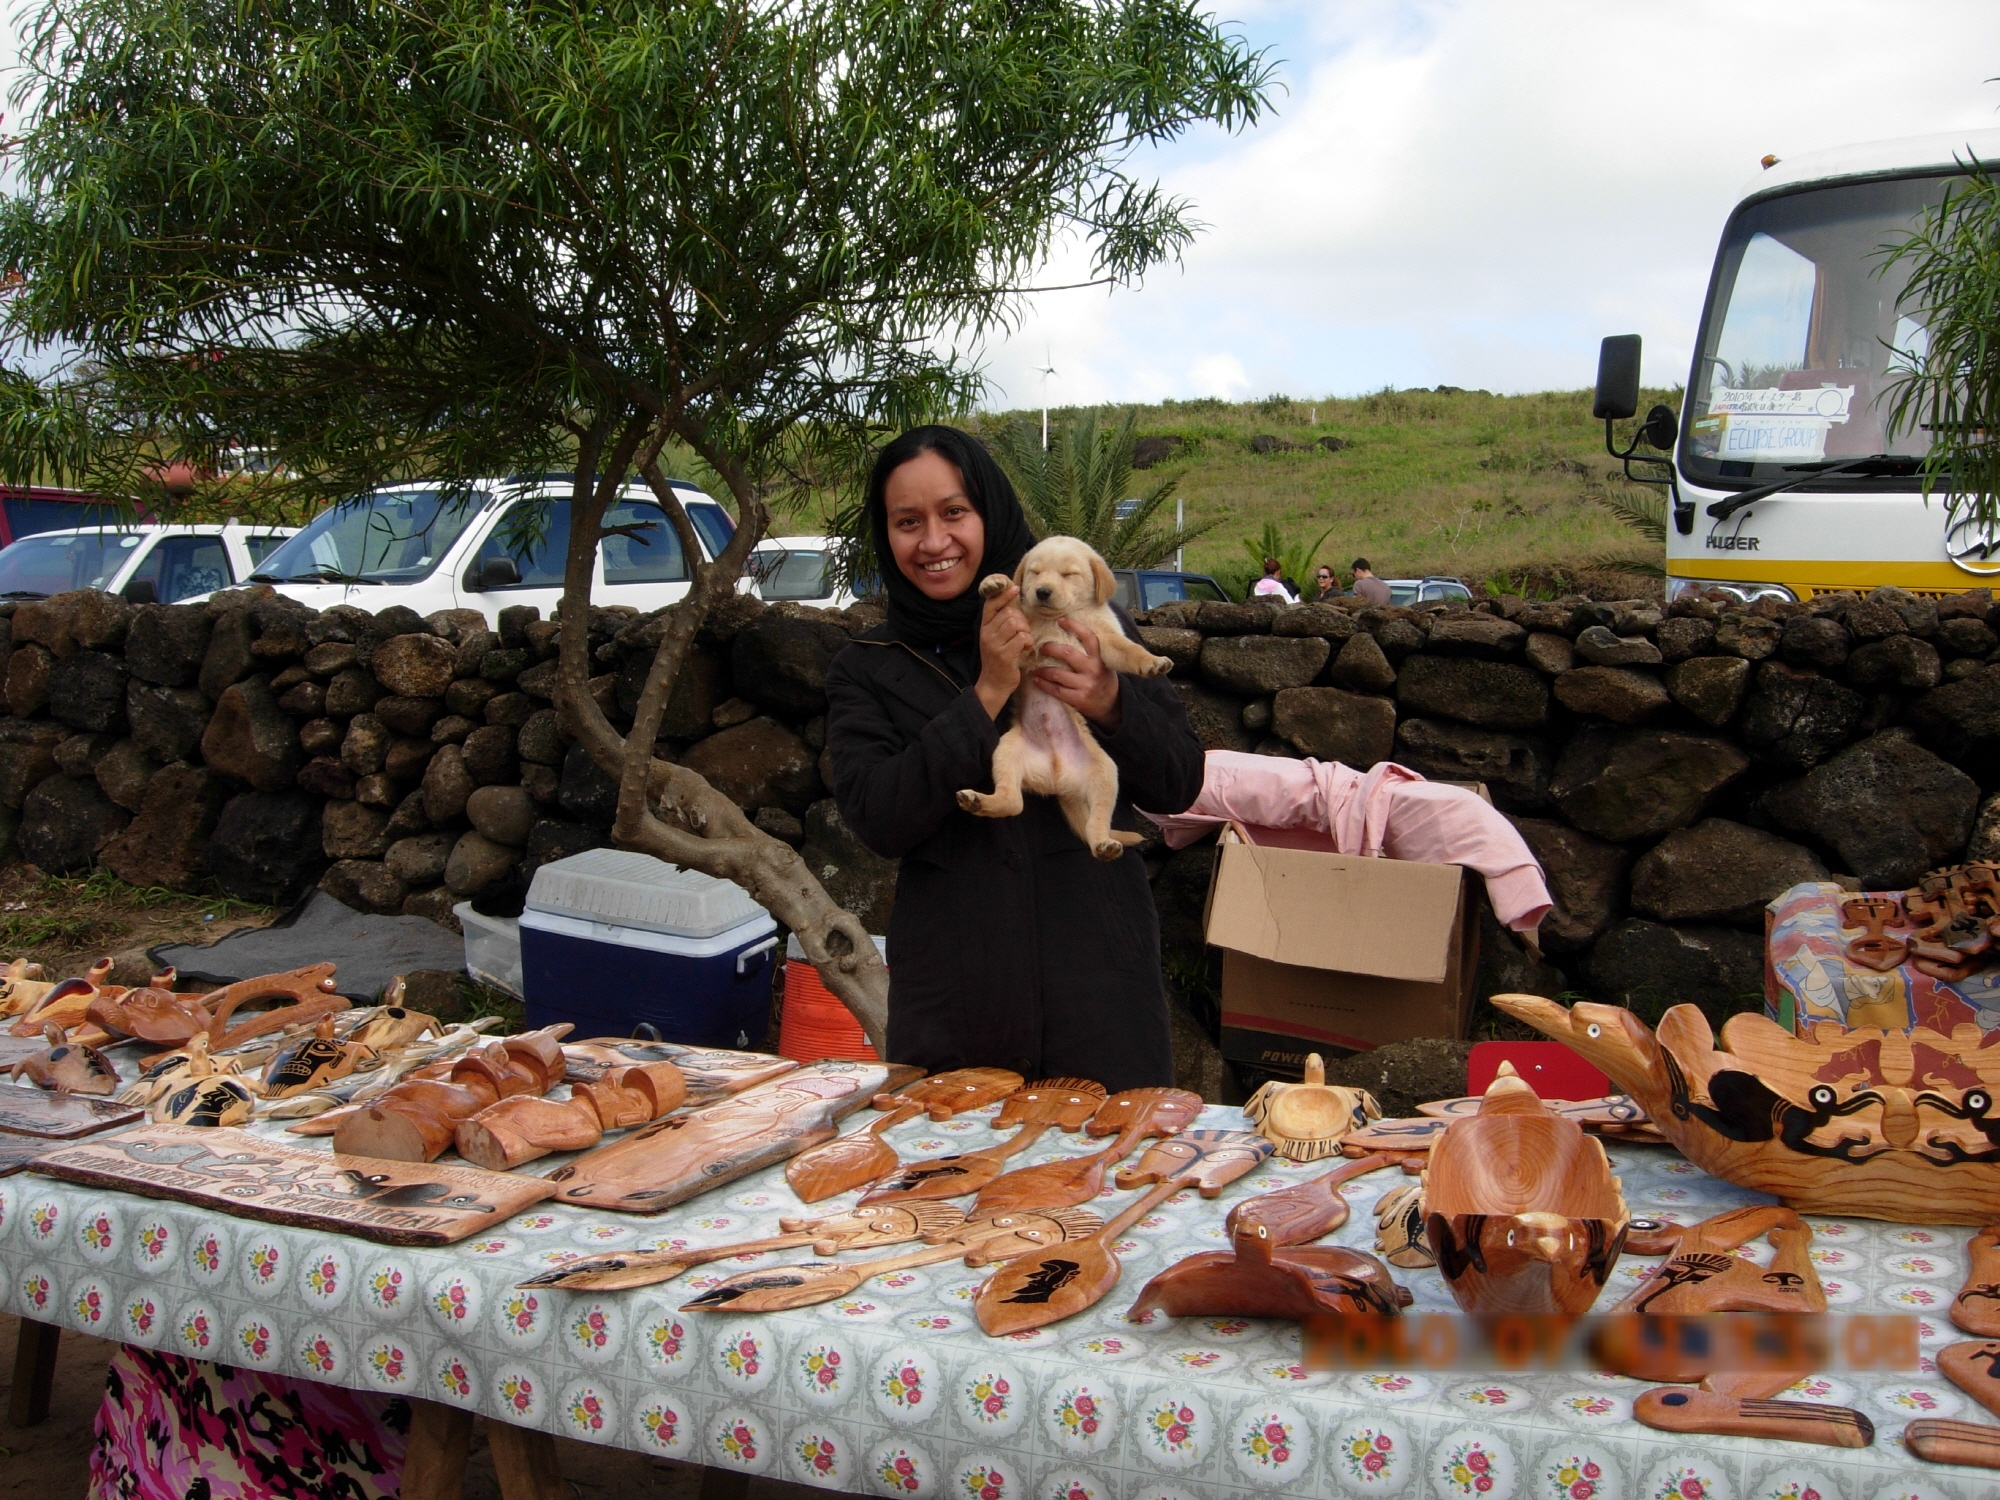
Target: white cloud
x=1475, y=192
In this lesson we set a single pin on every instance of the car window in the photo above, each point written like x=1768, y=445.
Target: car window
x=262, y=545
x=534, y=536
x=1206, y=589
x=37, y=566
x=793, y=574
x=1126, y=595
x=711, y=523
x=179, y=567
x=392, y=536
x=27, y=517
x=650, y=552
x=1446, y=591
x=1162, y=588
x=1403, y=593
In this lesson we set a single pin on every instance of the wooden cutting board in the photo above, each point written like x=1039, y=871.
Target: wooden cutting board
x=712, y=1073
x=394, y=1202
x=673, y=1159
x=60, y=1117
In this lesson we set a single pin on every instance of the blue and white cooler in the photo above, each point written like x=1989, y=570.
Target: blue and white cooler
x=612, y=939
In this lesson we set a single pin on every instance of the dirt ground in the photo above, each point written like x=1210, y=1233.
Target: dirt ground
x=65, y=923
x=52, y=1461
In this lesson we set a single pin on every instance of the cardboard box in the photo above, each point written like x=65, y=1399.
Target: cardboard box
x=1334, y=953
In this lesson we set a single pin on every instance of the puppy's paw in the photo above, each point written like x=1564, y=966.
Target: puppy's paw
x=993, y=585
x=1107, y=849
x=1158, y=666
x=973, y=802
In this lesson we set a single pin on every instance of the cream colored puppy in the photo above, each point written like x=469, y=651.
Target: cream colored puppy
x=1050, y=749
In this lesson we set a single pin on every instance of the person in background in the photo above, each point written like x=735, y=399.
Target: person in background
x=1271, y=585
x=1325, y=586
x=1367, y=585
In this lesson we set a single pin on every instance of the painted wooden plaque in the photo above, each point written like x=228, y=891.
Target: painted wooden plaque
x=673, y=1159
x=16, y=1151
x=397, y=1203
x=60, y=1117
x=712, y=1073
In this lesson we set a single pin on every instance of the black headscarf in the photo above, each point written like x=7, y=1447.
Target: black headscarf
x=914, y=615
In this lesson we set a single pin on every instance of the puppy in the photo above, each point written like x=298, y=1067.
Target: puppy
x=1050, y=748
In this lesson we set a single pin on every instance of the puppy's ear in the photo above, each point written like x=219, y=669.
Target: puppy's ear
x=1106, y=584
x=1021, y=573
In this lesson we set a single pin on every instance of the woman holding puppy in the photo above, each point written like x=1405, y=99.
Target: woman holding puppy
x=1010, y=946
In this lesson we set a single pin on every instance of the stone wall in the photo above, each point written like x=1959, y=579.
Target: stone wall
x=1672, y=768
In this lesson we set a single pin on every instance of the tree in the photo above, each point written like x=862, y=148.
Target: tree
x=453, y=238
x=1952, y=385
x=1074, y=486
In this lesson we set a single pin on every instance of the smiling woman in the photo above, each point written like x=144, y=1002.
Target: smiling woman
x=1010, y=945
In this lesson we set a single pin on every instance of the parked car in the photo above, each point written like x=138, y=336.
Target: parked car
x=486, y=548
x=1424, y=590
x=796, y=568
x=146, y=564
x=1149, y=588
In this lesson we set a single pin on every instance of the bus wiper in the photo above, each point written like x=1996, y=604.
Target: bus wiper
x=1890, y=463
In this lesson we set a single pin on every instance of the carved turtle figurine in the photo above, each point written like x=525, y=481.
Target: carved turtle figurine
x=1306, y=1121
x=67, y=1067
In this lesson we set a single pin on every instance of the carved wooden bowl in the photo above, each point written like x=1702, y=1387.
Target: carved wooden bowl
x=1521, y=1208
x=1854, y=1122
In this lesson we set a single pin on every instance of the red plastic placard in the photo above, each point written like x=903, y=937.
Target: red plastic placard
x=1549, y=1068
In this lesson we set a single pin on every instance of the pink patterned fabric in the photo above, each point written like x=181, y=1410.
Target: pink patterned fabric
x=1388, y=811
x=171, y=1428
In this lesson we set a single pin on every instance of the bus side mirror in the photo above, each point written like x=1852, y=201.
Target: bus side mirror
x=1660, y=428
x=1617, y=377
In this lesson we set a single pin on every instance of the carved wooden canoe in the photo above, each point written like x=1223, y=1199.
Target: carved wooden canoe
x=673, y=1159
x=1856, y=1122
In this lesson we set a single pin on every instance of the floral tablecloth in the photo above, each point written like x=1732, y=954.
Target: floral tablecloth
x=894, y=1390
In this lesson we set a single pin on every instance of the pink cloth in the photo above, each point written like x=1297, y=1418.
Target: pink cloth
x=1389, y=811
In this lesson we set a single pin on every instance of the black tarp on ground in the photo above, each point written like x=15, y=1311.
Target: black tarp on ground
x=368, y=950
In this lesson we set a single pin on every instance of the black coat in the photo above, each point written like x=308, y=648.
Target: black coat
x=1010, y=946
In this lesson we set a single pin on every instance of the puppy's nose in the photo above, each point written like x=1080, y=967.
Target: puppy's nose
x=1044, y=593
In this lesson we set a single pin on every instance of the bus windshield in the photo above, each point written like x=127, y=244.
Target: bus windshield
x=1802, y=342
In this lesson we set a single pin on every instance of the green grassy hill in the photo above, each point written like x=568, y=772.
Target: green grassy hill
x=1449, y=481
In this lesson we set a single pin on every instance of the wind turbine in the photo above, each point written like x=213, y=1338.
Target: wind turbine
x=1047, y=370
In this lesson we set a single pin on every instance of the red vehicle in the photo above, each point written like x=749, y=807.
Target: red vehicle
x=26, y=510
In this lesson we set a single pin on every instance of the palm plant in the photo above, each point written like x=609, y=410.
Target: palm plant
x=1074, y=486
x=1645, y=512
x=1295, y=559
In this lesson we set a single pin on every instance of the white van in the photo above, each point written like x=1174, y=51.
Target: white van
x=797, y=569
x=434, y=548
x=147, y=564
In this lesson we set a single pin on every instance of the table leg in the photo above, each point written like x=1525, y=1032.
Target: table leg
x=525, y=1463
x=434, y=1465
x=724, y=1484
x=34, y=1372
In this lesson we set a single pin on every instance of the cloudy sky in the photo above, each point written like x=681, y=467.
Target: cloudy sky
x=1475, y=191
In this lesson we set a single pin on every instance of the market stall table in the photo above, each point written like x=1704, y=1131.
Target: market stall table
x=894, y=1390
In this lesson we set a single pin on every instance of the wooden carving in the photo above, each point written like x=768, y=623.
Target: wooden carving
x=1521, y=1208
x=864, y=1156
x=1134, y=1115
x=1974, y=1367
x=636, y=1095
x=1308, y=1120
x=65, y=1004
x=1067, y=1103
x=309, y=991
x=1302, y=1213
x=1413, y=1135
x=1976, y=1308
x=313, y=1062
x=21, y=987
x=228, y=1171
x=59, y=1116
x=1874, y=949
x=418, y=1118
x=896, y=1224
x=67, y=1067
x=710, y=1073
x=1681, y=1409
x=395, y=1026
x=16, y=1151
x=1858, y=1122
x=205, y=1098
x=1940, y=1440
x=516, y=1131
x=673, y=1159
x=1611, y=1115
x=977, y=1242
x=1037, y=1290
x=153, y=1013
x=1399, y=1228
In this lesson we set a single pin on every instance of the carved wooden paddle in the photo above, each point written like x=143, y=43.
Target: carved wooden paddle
x=980, y=1241
x=1135, y=1115
x=1940, y=1440
x=1037, y=1290
x=1976, y=1308
x=889, y=1225
x=1685, y=1409
x=862, y=1156
x=1300, y=1214
x=1066, y=1103
x=1974, y=1367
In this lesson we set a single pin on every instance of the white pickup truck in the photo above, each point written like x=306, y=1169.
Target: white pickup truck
x=429, y=548
x=146, y=564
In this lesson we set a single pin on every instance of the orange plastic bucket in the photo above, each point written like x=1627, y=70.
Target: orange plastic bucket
x=815, y=1023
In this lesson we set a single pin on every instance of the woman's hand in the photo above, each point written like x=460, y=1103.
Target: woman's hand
x=1004, y=644
x=1082, y=681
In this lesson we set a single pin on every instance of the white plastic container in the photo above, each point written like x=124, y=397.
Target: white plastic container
x=492, y=948
x=612, y=938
